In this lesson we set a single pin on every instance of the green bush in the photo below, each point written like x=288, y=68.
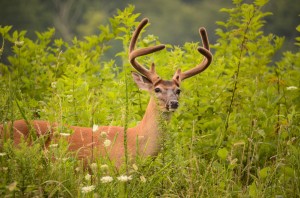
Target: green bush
x=236, y=133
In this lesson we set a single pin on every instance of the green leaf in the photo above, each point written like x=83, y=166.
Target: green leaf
x=4, y=30
x=223, y=153
x=288, y=171
x=253, y=190
x=263, y=173
x=261, y=2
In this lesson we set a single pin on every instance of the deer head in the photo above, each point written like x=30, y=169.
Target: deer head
x=166, y=92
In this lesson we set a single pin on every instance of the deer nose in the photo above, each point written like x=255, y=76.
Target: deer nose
x=173, y=104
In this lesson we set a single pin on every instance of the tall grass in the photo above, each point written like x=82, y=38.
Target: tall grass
x=236, y=133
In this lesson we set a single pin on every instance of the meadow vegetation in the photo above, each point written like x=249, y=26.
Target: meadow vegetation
x=236, y=133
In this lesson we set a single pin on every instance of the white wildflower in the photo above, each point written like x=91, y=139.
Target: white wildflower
x=291, y=88
x=143, y=179
x=87, y=177
x=53, y=85
x=87, y=189
x=103, y=134
x=95, y=127
x=135, y=167
x=53, y=145
x=64, y=134
x=104, y=166
x=69, y=98
x=124, y=178
x=107, y=143
x=93, y=166
x=106, y=179
x=77, y=169
x=2, y=154
x=64, y=159
x=19, y=44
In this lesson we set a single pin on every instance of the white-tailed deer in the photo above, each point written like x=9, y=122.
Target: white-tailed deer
x=109, y=140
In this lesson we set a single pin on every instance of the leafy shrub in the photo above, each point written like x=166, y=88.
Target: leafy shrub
x=235, y=134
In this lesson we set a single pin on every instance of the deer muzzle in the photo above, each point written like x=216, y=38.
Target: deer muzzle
x=172, y=105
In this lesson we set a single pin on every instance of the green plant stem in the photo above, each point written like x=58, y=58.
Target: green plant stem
x=10, y=105
x=2, y=47
x=126, y=122
x=74, y=101
x=277, y=126
x=236, y=76
x=126, y=128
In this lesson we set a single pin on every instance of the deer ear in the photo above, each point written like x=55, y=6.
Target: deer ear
x=142, y=82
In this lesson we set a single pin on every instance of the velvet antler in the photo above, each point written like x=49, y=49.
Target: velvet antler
x=133, y=54
x=180, y=76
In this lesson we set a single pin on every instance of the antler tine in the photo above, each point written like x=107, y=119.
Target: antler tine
x=133, y=54
x=204, y=37
x=205, y=51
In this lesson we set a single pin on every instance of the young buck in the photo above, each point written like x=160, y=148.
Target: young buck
x=146, y=135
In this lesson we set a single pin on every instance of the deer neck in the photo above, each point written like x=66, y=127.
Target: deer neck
x=150, y=129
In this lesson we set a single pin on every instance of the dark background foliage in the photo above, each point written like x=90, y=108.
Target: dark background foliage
x=176, y=21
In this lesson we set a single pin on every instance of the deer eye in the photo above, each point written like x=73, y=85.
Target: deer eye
x=178, y=91
x=157, y=90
